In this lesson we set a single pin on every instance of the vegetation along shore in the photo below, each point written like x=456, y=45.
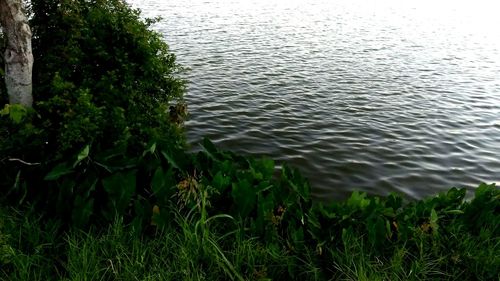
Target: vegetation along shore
x=97, y=181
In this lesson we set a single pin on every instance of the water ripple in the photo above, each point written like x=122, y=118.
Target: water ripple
x=379, y=97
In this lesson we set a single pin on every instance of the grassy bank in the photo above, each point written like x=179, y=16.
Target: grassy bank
x=448, y=245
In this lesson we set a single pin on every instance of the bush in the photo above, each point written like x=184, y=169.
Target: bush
x=101, y=78
x=101, y=73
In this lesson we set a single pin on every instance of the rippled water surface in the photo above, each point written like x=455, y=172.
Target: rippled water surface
x=370, y=95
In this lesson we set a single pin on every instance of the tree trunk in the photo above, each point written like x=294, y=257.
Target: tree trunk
x=18, y=54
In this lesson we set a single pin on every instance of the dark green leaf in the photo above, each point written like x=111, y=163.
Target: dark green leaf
x=210, y=148
x=162, y=183
x=152, y=149
x=120, y=188
x=58, y=171
x=82, y=155
x=220, y=182
x=176, y=158
x=376, y=231
x=267, y=169
x=296, y=182
x=82, y=210
x=244, y=197
x=297, y=236
x=358, y=200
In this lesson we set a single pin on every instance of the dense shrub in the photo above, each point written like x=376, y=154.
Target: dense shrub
x=100, y=60
x=101, y=78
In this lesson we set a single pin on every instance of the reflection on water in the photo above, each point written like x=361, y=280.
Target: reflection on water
x=360, y=94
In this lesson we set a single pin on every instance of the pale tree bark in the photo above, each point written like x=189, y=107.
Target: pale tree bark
x=18, y=54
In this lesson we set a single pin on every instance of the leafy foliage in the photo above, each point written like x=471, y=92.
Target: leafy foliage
x=102, y=79
x=214, y=194
x=98, y=61
x=278, y=209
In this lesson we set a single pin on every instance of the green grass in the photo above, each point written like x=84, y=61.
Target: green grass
x=35, y=250
x=193, y=247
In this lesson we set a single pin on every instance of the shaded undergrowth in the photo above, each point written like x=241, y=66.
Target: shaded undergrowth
x=216, y=215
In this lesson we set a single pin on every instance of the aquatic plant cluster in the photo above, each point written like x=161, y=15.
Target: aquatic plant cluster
x=100, y=184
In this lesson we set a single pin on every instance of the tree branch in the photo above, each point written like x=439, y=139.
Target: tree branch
x=23, y=162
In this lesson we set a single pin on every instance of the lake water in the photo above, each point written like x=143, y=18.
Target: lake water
x=369, y=95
